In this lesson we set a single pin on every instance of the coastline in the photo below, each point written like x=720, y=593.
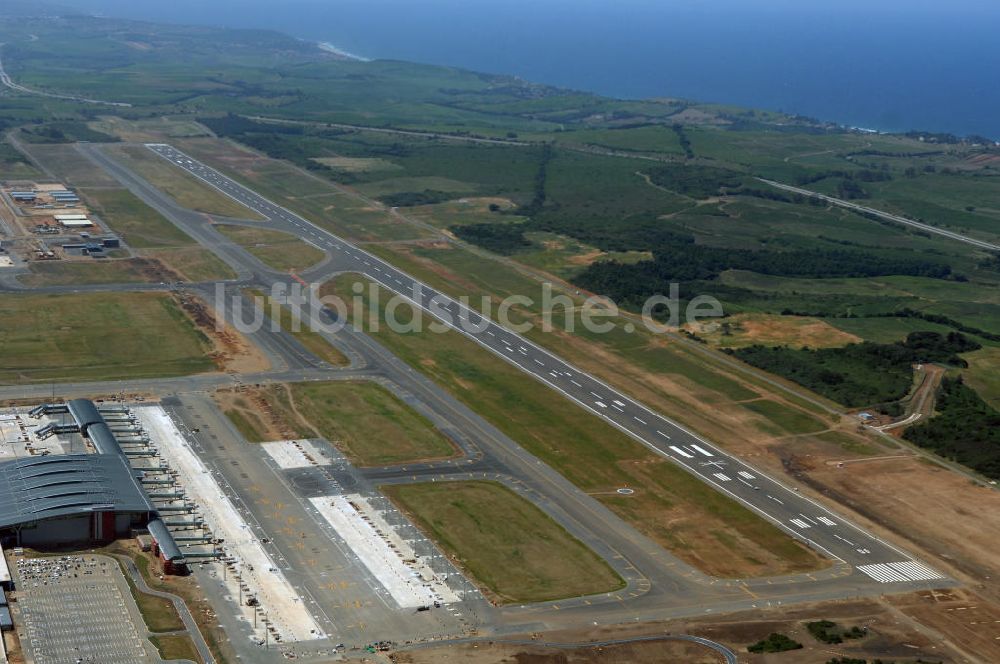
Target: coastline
x=330, y=48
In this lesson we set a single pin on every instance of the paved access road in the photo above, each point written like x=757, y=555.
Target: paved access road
x=798, y=515
x=981, y=244
x=5, y=79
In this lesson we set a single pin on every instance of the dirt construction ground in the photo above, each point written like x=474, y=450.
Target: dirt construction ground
x=893, y=636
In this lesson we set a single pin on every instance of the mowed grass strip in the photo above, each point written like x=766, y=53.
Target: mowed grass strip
x=370, y=424
x=187, y=190
x=175, y=646
x=98, y=336
x=512, y=549
x=365, y=421
x=704, y=527
x=139, y=225
x=281, y=251
x=299, y=329
x=152, y=235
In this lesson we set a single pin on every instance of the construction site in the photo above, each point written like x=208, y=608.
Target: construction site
x=48, y=221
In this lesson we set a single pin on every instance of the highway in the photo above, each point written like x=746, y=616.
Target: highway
x=5, y=79
x=808, y=521
x=981, y=244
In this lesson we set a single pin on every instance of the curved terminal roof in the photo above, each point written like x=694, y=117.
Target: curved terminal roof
x=168, y=547
x=36, y=488
x=93, y=426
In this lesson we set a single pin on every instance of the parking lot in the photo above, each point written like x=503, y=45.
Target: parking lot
x=76, y=610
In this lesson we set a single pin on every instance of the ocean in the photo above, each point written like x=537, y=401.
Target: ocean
x=884, y=64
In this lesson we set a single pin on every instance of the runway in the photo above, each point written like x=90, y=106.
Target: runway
x=817, y=526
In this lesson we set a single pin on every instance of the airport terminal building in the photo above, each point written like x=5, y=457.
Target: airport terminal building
x=61, y=499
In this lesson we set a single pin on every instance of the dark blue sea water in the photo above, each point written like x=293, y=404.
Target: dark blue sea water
x=886, y=64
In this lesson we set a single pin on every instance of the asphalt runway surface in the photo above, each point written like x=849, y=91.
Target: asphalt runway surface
x=803, y=518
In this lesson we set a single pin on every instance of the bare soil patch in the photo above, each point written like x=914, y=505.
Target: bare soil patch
x=771, y=330
x=953, y=520
x=232, y=351
x=893, y=635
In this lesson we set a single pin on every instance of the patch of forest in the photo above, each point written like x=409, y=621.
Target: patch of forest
x=860, y=374
x=966, y=429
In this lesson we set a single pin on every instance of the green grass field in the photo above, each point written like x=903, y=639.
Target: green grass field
x=983, y=376
x=369, y=424
x=788, y=420
x=674, y=508
x=192, y=263
x=158, y=613
x=152, y=235
x=282, y=251
x=97, y=336
x=139, y=225
x=175, y=646
x=366, y=422
x=513, y=550
x=62, y=273
x=187, y=190
x=70, y=166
